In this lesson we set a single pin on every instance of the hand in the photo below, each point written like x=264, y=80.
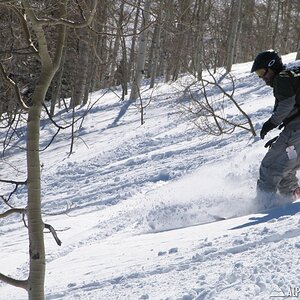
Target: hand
x=270, y=142
x=268, y=126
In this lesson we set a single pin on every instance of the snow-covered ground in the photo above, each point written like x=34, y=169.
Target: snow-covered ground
x=135, y=205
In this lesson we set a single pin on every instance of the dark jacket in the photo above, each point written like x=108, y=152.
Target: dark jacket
x=286, y=90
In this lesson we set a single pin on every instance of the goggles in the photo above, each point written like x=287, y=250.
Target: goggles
x=261, y=72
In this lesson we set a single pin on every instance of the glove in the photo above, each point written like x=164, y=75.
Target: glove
x=270, y=142
x=266, y=128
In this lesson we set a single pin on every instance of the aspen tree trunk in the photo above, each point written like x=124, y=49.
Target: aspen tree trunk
x=235, y=13
x=124, y=67
x=36, y=277
x=298, y=48
x=298, y=33
x=200, y=19
x=100, y=48
x=266, y=25
x=57, y=88
x=141, y=56
x=167, y=41
x=115, y=51
x=82, y=68
x=155, y=57
x=182, y=38
x=275, y=33
x=35, y=223
x=154, y=50
x=238, y=31
x=131, y=63
x=286, y=27
x=90, y=78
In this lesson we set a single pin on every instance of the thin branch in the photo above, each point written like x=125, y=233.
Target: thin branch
x=204, y=110
x=69, y=23
x=69, y=125
x=81, y=10
x=211, y=109
x=13, y=211
x=230, y=96
x=59, y=126
x=52, y=139
x=17, y=183
x=72, y=135
x=14, y=85
x=12, y=130
x=6, y=1
x=19, y=51
x=25, y=28
x=123, y=35
x=24, y=221
x=13, y=182
x=17, y=283
x=42, y=42
x=72, y=124
x=52, y=230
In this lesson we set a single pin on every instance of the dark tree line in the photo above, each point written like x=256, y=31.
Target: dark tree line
x=178, y=36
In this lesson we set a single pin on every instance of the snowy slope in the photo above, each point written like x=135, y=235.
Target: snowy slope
x=134, y=206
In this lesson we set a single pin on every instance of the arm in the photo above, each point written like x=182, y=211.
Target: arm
x=284, y=108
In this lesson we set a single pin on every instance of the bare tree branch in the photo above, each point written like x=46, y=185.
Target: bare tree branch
x=25, y=28
x=52, y=230
x=123, y=34
x=13, y=211
x=7, y=1
x=17, y=283
x=62, y=21
x=230, y=96
x=14, y=86
x=16, y=183
x=208, y=111
x=73, y=122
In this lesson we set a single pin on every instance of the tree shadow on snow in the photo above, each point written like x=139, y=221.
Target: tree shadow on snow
x=275, y=213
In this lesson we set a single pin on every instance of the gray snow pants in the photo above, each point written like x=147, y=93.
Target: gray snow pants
x=280, y=164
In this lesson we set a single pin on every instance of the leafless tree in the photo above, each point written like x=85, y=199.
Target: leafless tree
x=209, y=103
x=35, y=18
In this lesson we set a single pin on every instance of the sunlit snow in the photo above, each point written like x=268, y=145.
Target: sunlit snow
x=135, y=206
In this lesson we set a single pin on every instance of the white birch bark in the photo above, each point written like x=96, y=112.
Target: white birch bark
x=235, y=15
x=49, y=66
x=80, y=80
x=155, y=57
x=141, y=55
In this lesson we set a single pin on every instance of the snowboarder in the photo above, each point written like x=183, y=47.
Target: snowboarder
x=278, y=168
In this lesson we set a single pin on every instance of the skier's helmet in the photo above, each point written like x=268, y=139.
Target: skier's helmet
x=267, y=59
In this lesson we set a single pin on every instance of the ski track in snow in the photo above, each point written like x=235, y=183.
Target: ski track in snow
x=231, y=274
x=134, y=197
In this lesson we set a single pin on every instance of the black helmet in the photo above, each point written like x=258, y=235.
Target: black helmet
x=267, y=59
